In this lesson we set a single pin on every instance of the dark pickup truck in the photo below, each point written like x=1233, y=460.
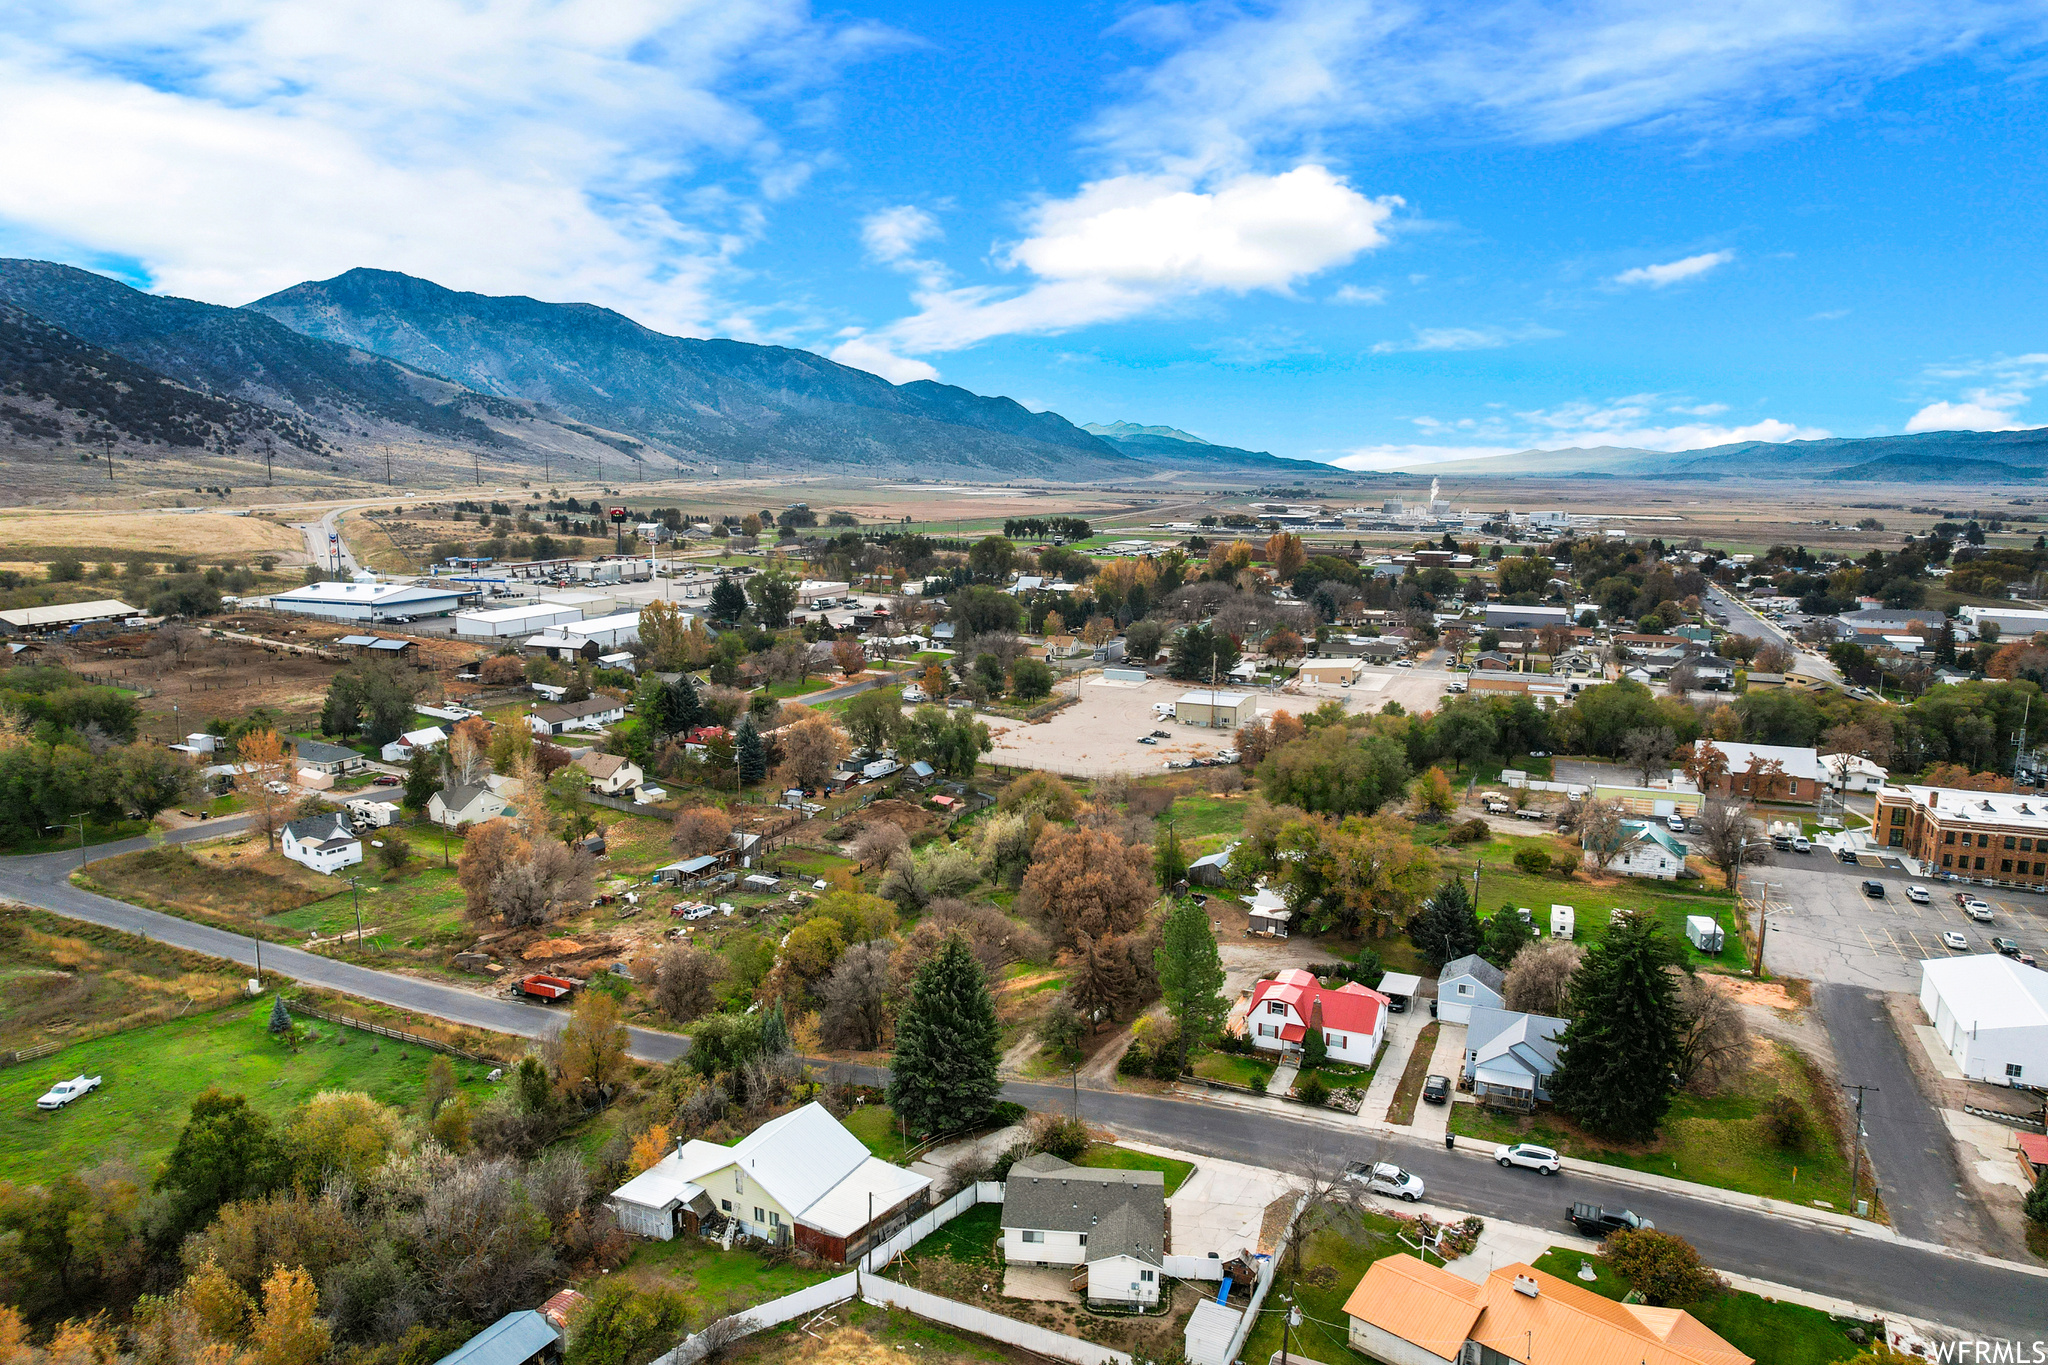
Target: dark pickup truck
x=1595, y=1221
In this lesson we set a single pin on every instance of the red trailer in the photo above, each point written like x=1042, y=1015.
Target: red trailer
x=542, y=987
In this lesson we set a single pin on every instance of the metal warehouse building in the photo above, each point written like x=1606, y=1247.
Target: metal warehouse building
x=1991, y=1013
x=529, y=619
x=366, y=601
x=1218, y=710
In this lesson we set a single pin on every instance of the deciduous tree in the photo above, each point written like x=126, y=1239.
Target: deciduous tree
x=535, y=889
x=1090, y=881
x=1727, y=837
x=686, y=980
x=592, y=1045
x=811, y=749
x=489, y=849
x=1665, y=1269
x=1539, y=980
x=262, y=760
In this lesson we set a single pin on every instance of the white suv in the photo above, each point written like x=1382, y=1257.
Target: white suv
x=1530, y=1155
x=1384, y=1177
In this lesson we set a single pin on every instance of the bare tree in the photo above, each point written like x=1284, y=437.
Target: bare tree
x=684, y=981
x=1648, y=749
x=856, y=997
x=1603, y=831
x=1539, y=980
x=532, y=891
x=1728, y=838
x=700, y=830
x=878, y=842
x=1713, y=1035
x=1328, y=1195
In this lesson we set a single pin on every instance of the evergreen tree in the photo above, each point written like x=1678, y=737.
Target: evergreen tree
x=728, y=602
x=943, y=1076
x=1945, y=644
x=1619, y=1052
x=1448, y=927
x=422, y=779
x=2035, y=1206
x=1190, y=975
x=280, y=1017
x=1104, y=984
x=774, y=1030
x=752, y=754
x=1505, y=936
x=684, y=708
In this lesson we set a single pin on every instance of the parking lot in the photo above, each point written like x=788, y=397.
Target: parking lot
x=1823, y=926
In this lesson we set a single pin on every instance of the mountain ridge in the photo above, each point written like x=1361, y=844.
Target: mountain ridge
x=1920, y=457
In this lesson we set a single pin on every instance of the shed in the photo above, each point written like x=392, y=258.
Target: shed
x=1563, y=919
x=1217, y=710
x=1403, y=984
x=1210, y=1330
x=1210, y=869
x=522, y=1338
x=1342, y=672
x=1991, y=1013
x=1269, y=913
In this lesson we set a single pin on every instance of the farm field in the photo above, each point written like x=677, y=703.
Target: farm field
x=152, y=1075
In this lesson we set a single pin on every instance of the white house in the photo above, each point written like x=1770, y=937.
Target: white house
x=326, y=760
x=1991, y=1013
x=324, y=843
x=1352, y=1018
x=609, y=773
x=1510, y=1056
x=1649, y=852
x=1852, y=772
x=593, y=713
x=1110, y=1223
x=402, y=749
x=460, y=805
x=801, y=1177
x=1467, y=981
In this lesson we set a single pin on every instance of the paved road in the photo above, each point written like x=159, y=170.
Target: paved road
x=1908, y=1144
x=44, y=880
x=1743, y=621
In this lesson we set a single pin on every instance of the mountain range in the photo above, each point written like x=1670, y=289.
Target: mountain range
x=1922, y=457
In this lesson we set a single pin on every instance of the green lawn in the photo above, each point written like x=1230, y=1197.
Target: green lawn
x=1717, y=1140
x=716, y=1281
x=1501, y=883
x=1234, y=1067
x=970, y=1239
x=1349, y=1248
x=1212, y=818
x=875, y=1125
x=1105, y=1156
x=414, y=912
x=66, y=836
x=152, y=1075
x=783, y=691
x=1769, y=1331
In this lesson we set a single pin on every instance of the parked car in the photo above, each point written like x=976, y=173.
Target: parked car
x=63, y=1092
x=1528, y=1154
x=1874, y=890
x=2006, y=946
x=1977, y=910
x=1675, y=823
x=1597, y=1222
x=386, y=780
x=277, y=788
x=1403, y=663
x=1384, y=1177
x=1951, y=939
x=1437, y=1089
x=1146, y=739
x=1918, y=895
x=1800, y=844
x=1847, y=855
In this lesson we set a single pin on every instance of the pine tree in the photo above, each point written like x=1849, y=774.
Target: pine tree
x=753, y=755
x=1505, y=936
x=1448, y=927
x=280, y=1017
x=774, y=1030
x=1614, y=1077
x=1190, y=975
x=2035, y=1205
x=685, y=708
x=728, y=601
x=943, y=1076
x=1169, y=863
x=1104, y=983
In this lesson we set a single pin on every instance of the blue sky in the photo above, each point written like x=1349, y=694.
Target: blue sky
x=1380, y=234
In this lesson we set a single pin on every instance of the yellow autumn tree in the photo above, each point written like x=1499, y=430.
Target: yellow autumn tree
x=289, y=1331
x=650, y=1147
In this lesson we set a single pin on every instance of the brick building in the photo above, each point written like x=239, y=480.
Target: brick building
x=1766, y=772
x=1995, y=835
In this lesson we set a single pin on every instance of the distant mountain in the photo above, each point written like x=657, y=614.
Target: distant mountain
x=1127, y=430
x=1924, y=457
x=67, y=392
x=713, y=401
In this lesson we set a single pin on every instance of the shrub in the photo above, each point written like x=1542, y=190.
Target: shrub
x=1136, y=1061
x=1788, y=1123
x=1473, y=831
x=1532, y=860
x=1664, y=1269
x=1258, y=1085
x=1059, y=1135
x=1314, y=1090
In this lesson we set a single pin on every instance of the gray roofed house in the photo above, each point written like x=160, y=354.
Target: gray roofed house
x=327, y=758
x=1465, y=982
x=1510, y=1056
x=1110, y=1223
x=465, y=805
x=326, y=843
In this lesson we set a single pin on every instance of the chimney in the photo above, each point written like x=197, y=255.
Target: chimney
x=1526, y=1284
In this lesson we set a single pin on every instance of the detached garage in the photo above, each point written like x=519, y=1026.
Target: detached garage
x=1217, y=710
x=1991, y=1013
x=1342, y=672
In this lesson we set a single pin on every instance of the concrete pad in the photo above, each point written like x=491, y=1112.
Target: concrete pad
x=1446, y=1059
x=987, y=1147
x=1942, y=1059
x=1042, y=1284
x=1402, y=1031
x=1222, y=1206
x=1283, y=1078
x=1989, y=1147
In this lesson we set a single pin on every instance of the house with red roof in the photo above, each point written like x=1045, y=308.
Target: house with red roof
x=1352, y=1018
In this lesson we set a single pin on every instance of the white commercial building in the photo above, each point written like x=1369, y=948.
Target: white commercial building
x=369, y=601
x=2012, y=622
x=525, y=619
x=1991, y=1013
x=66, y=614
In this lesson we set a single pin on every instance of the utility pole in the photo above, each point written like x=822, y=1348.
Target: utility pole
x=2019, y=741
x=1289, y=1322
x=387, y=464
x=476, y=465
x=108, y=438
x=1856, y=1166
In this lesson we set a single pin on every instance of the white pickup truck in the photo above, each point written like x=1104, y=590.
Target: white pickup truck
x=63, y=1092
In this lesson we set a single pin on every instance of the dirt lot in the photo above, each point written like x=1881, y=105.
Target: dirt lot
x=1099, y=734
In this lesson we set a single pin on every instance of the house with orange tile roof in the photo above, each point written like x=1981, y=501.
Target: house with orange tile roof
x=1407, y=1313
x=1352, y=1018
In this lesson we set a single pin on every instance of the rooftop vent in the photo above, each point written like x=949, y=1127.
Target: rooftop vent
x=1525, y=1284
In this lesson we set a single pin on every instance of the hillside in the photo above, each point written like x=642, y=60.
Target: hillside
x=715, y=401
x=1126, y=430
x=1924, y=457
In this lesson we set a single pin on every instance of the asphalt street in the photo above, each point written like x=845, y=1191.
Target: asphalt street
x=1952, y=1289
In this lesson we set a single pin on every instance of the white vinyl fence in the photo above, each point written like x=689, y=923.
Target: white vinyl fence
x=1193, y=1267
x=934, y=1218
x=774, y=1313
x=984, y=1323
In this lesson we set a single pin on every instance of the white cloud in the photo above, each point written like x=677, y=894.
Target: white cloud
x=893, y=235
x=1132, y=244
x=1352, y=293
x=1988, y=407
x=864, y=353
x=582, y=149
x=1462, y=339
x=1831, y=315
x=1633, y=422
x=1671, y=272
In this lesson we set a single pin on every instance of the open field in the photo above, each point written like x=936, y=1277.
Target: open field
x=1717, y=1140
x=63, y=980
x=207, y=536
x=1765, y=1329
x=153, y=1074
x=237, y=882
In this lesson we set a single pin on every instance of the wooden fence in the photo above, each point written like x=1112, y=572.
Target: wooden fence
x=28, y=1054
x=381, y=1031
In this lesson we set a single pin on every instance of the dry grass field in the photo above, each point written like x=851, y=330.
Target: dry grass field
x=209, y=537
x=66, y=980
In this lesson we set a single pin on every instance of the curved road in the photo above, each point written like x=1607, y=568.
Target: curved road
x=43, y=880
x=1924, y=1281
